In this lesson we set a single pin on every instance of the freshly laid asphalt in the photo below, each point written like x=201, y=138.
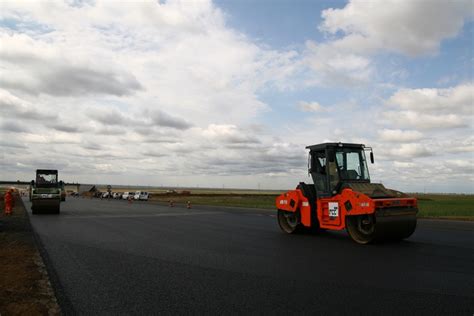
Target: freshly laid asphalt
x=112, y=257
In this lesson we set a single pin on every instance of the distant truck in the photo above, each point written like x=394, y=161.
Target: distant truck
x=45, y=192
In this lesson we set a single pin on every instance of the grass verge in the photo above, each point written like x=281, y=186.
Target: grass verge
x=251, y=201
x=443, y=206
x=459, y=206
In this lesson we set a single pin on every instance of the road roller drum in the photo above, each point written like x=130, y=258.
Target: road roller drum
x=45, y=206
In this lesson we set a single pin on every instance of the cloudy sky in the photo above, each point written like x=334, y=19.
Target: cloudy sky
x=228, y=93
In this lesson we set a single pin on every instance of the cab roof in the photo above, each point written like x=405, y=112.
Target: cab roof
x=328, y=145
x=47, y=171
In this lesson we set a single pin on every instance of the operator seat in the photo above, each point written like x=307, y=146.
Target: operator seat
x=352, y=175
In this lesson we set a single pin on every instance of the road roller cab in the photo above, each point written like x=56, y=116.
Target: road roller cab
x=342, y=197
x=46, y=192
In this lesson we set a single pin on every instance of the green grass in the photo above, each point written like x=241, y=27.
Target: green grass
x=251, y=201
x=430, y=205
x=450, y=205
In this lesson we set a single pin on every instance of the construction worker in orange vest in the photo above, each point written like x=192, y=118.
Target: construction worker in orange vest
x=8, y=198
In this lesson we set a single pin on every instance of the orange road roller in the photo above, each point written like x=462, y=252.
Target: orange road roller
x=342, y=197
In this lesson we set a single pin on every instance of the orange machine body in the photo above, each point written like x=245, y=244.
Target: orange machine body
x=331, y=211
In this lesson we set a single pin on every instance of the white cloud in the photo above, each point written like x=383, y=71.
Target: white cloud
x=15, y=127
x=161, y=118
x=459, y=146
x=37, y=67
x=430, y=108
x=411, y=119
x=412, y=150
x=333, y=66
x=65, y=128
x=15, y=107
x=311, y=106
x=398, y=135
x=461, y=166
x=427, y=175
x=362, y=29
x=408, y=27
x=425, y=141
x=177, y=56
x=459, y=99
x=404, y=164
x=45, y=139
x=147, y=88
x=108, y=116
x=229, y=134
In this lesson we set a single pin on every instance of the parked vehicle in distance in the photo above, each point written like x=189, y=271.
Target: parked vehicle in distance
x=105, y=195
x=117, y=195
x=141, y=195
x=127, y=195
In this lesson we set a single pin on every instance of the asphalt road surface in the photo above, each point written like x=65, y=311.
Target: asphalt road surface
x=111, y=257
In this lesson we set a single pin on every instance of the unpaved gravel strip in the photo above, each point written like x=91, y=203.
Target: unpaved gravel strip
x=25, y=288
